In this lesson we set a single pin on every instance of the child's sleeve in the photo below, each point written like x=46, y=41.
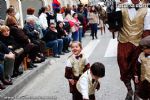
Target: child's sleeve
x=84, y=87
x=68, y=70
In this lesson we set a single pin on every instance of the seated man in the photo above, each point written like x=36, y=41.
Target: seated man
x=6, y=65
x=33, y=34
x=52, y=42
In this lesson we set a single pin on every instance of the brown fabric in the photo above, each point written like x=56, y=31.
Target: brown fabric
x=19, y=35
x=146, y=33
x=41, y=45
x=73, y=88
x=68, y=73
x=127, y=60
x=86, y=67
x=144, y=90
x=11, y=20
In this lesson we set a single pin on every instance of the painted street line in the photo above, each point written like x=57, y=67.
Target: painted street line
x=111, y=50
x=90, y=47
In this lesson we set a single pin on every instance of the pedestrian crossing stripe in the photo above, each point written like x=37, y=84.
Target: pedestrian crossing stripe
x=87, y=51
x=111, y=50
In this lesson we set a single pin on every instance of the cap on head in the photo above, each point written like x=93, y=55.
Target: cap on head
x=145, y=42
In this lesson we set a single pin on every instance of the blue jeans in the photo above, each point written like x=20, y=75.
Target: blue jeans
x=75, y=36
x=60, y=45
x=56, y=45
x=94, y=30
x=66, y=42
x=80, y=34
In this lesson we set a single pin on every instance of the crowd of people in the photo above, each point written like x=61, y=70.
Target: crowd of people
x=62, y=29
x=50, y=29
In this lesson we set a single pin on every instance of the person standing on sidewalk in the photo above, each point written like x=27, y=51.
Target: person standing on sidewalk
x=93, y=21
x=135, y=21
x=76, y=65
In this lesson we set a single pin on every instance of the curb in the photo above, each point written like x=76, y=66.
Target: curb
x=20, y=82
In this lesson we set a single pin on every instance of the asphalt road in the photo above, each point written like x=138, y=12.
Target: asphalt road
x=52, y=85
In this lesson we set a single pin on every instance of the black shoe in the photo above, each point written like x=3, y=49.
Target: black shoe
x=66, y=51
x=2, y=86
x=129, y=95
x=31, y=64
x=14, y=75
x=6, y=82
x=62, y=53
x=56, y=56
x=20, y=72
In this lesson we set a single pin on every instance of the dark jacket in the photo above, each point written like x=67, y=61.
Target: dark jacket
x=61, y=32
x=19, y=35
x=9, y=41
x=50, y=36
x=3, y=50
x=29, y=31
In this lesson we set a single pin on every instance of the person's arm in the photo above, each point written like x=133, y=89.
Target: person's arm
x=146, y=24
x=4, y=48
x=5, y=52
x=84, y=88
x=137, y=71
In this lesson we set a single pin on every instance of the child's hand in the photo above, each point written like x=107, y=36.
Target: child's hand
x=71, y=81
x=136, y=79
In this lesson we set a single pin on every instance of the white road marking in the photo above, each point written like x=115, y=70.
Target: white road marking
x=112, y=48
x=90, y=47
